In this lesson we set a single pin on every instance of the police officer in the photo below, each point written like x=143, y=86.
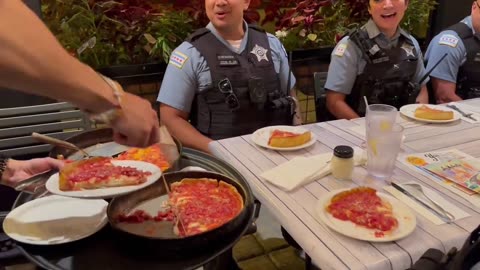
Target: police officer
x=380, y=61
x=228, y=79
x=457, y=77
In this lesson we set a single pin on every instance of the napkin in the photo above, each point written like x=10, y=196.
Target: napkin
x=448, y=206
x=300, y=171
x=468, y=109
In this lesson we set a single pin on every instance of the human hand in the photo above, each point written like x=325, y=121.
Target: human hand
x=137, y=125
x=422, y=97
x=297, y=120
x=19, y=170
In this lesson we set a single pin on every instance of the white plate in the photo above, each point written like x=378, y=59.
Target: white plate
x=406, y=220
x=55, y=220
x=261, y=137
x=52, y=182
x=409, y=111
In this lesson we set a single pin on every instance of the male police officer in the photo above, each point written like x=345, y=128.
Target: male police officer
x=228, y=78
x=457, y=77
x=380, y=61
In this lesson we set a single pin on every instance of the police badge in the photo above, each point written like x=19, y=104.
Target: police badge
x=259, y=52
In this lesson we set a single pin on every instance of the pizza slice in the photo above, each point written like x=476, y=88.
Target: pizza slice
x=365, y=208
x=201, y=205
x=98, y=172
x=152, y=154
x=280, y=138
x=426, y=112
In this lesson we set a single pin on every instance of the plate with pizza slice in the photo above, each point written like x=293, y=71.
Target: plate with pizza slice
x=102, y=177
x=283, y=138
x=365, y=214
x=429, y=113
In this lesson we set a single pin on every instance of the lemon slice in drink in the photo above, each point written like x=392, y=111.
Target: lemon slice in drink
x=372, y=143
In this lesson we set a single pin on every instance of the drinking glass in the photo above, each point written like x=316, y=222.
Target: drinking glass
x=380, y=116
x=383, y=146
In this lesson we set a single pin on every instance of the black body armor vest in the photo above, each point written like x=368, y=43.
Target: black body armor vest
x=468, y=77
x=245, y=93
x=388, y=75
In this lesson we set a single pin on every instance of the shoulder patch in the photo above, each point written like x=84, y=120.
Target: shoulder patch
x=178, y=59
x=340, y=50
x=449, y=40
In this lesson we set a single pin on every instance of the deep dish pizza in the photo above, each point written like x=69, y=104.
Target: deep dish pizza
x=98, y=172
x=280, y=138
x=152, y=154
x=203, y=204
x=365, y=208
x=195, y=205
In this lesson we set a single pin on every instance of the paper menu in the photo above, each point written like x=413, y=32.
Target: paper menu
x=459, y=171
x=420, y=160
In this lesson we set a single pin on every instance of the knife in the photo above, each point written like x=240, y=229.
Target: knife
x=464, y=114
x=410, y=195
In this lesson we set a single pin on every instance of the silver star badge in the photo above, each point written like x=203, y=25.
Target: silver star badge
x=260, y=52
x=408, y=49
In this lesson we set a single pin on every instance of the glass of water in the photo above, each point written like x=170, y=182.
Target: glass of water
x=383, y=146
x=380, y=116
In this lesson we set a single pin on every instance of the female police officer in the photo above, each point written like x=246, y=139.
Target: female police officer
x=380, y=61
x=229, y=79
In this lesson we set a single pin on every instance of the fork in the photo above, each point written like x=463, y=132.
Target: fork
x=464, y=114
x=420, y=188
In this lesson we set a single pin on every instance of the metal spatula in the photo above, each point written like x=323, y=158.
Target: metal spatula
x=168, y=146
x=60, y=143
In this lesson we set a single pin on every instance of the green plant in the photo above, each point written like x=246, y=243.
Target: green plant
x=113, y=32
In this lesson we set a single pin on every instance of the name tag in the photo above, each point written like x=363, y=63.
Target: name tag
x=381, y=60
x=227, y=60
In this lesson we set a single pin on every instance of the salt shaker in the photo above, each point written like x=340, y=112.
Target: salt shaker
x=342, y=162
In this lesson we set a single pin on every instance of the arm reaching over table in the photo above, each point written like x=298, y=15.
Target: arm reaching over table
x=32, y=61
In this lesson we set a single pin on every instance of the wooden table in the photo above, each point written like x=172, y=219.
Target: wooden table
x=328, y=249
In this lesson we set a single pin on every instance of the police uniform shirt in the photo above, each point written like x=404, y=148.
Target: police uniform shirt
x=347, y=61
x=188, y=74
x=448, y=42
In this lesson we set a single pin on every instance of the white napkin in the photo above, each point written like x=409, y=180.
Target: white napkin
x=468, y=109
x=454, y=210
x=300, y=171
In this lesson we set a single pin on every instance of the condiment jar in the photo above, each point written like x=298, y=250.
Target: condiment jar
x=342, y=162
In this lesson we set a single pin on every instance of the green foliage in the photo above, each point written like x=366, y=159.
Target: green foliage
x=105, y=33
x=314, y=23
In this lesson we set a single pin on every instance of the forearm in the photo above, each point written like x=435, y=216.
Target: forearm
x=341, y=110
x=32, y=61
x=298, y=114
x=187, y=134
x=448, y=97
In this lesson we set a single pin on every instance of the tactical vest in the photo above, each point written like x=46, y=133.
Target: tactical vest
x=468, y=77
x=388, y=75
x=245, y=88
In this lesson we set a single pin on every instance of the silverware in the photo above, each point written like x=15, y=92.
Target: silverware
x=420, y=189
x=445, y=216
x=464, y=114
x=60, y=143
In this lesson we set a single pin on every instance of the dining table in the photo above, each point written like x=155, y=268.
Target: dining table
x=328, y=249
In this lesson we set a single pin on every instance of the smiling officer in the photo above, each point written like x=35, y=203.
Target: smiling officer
x=380, y=61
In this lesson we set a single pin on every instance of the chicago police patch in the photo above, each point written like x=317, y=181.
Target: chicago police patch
x=449, y=40
x=340, y=50
x=178, y=59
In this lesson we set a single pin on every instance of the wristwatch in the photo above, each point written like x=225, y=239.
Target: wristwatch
x=3, y=166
